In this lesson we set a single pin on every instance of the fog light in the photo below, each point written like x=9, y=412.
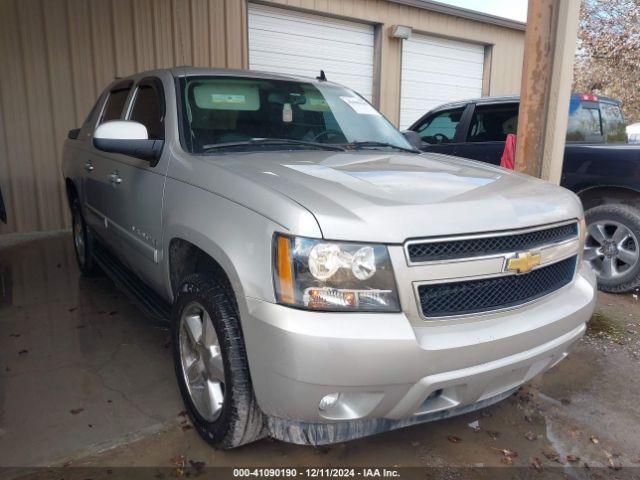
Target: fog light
x=328, y=401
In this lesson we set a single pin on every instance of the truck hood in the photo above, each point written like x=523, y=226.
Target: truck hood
x=390, y=197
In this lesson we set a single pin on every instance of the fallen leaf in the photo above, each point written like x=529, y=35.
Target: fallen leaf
x=178, y=461
x=507, y=455
x=186, y=427
x=528, y=418
x=535, y=463
x=565, y=401
x=109, y=401
x=594, y=440
x=454, y=439
x=493, y=434
x=76, y=411
x=90, y=426
x=14, y=335
x=572, y=458
x=23, y=352
x=530, y=436
x=551, y=455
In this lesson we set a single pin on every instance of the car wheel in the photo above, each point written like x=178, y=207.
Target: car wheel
x=612, y=246
x=82, y=242
x=211, y=363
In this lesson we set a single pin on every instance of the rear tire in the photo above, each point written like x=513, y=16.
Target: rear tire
x=82, y=242
x=211, y=363
x=612, y=246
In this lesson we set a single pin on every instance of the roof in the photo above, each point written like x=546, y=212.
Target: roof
x=187, y=71
x=503, y=99
x=463, y=13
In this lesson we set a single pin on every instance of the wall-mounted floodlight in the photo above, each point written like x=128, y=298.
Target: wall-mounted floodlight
x=400, y=31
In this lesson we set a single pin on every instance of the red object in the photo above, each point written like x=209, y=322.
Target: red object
x=588, y=98
x=508, y=159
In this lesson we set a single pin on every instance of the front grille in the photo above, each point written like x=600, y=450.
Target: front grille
x=475, y=296
x=474, y=247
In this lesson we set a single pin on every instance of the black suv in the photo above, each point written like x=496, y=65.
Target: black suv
x=599, y=166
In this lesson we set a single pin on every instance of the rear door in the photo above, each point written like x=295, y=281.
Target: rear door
x=487, y=131
x=139, y=186
x=441, y=131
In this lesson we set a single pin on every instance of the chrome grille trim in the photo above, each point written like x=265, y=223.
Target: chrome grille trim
x=487, y=235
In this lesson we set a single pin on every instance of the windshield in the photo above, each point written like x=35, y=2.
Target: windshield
x=227, y=110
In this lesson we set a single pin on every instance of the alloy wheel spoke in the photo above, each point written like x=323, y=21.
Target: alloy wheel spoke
x=621, y=234
x=215, y=367
x=597, y=232
x=591, y=253
x=193, y=326
x=194, y=372
x=209, y=337
x=213, y=397
x=630, y=257
x=609, y=267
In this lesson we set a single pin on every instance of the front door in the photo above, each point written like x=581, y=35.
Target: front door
x=485, y=137
x=439, y=132
x=140, y=188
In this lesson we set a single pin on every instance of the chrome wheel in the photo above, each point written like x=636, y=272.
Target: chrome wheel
x=201, y=360
x=78, y=238
x=611, y=248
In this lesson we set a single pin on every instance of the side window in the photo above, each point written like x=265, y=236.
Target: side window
x=584, y=122
x=492, y=123
x=147, y=109
x=441, y=127
x=613, y=123
x=115, y=104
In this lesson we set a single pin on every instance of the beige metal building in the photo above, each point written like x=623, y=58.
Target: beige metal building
x=57, y=55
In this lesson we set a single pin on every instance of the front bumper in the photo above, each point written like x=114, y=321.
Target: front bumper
x=391, y=372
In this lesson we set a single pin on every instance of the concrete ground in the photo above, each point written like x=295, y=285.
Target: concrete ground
x=85, y=380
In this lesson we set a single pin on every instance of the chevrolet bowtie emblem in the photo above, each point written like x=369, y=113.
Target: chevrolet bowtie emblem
x=523, y=262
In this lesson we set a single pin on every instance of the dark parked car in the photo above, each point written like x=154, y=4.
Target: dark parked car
x=598, y=165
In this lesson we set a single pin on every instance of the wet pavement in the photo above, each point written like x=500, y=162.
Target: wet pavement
x=85, y=380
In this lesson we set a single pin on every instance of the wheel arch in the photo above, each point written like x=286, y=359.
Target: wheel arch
x=608, y=194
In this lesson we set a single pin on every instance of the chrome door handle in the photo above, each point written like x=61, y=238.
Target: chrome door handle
x=88, y=166
x=115, y=178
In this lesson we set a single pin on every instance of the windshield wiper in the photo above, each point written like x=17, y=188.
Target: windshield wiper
x=374, y=144
x=274, y=141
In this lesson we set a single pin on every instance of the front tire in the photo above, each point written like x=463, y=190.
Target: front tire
x=211, y=363
x=612, y=246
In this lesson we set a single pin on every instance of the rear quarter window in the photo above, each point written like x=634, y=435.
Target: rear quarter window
x=613, y=123
x=585, y=124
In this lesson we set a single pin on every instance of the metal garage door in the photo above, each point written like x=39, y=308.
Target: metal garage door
x=295, y=43
x=437, y=70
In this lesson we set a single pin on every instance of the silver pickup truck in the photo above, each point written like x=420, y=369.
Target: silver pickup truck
x=322, y=279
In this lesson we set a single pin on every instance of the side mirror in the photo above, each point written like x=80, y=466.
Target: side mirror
x=413, y=138
x=128, y=138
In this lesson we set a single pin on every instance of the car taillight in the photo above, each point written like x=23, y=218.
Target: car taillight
x=588, y=98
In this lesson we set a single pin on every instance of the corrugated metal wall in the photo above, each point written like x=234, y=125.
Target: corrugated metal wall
x=57, y=55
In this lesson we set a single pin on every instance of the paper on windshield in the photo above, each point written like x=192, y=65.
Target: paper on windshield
x=359, y=106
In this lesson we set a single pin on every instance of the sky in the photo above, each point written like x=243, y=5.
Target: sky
x=512, y=9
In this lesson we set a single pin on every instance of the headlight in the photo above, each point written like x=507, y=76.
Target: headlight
x=321, y=275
